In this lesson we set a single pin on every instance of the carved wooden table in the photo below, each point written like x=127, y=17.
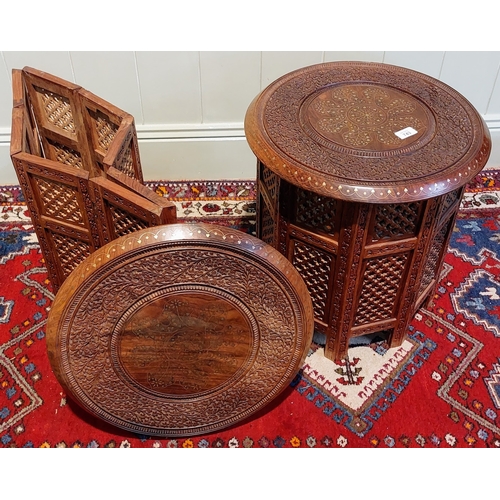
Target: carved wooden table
x=361, y=169
x=180, y=329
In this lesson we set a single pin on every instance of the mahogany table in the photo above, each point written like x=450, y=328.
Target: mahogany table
x=180, y=329
x=361, y=169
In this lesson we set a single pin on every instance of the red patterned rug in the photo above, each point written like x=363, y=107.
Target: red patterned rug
x=440, y=389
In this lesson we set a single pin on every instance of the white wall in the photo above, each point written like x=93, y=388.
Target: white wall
x=189, y=106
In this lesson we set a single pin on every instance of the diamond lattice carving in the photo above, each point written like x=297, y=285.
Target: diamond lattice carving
x=266, y=224
x=447, y=201
x=66, y=155
x=127, y=164
x=315, y=211
x=106, y=130
x=392, y=221
x=60, y=201
x=71, y=252
x=431, y=266
x=271, y=181
x=57, y=110
x=380, y=285
x=314, y=266
x=124, y=223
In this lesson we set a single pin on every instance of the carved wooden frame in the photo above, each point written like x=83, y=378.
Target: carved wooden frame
x=67, y=142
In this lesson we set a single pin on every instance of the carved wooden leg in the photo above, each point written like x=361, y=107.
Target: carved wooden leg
x=347, y=279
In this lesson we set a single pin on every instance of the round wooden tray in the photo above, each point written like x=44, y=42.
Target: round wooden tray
x=179, y=330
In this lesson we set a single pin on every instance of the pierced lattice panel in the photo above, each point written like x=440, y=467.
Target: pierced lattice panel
x=271, y=181
x=60, y=201
x=447, y=201
x=57, y=110
x=316, y=212
x=105, y=129
x=65, y=155
x=381, y=281
x=127, y=164
x=314, y=266
x=396, y=220
x=431, y=266
x=266, y=228
x=70, y=251
x=123, y=222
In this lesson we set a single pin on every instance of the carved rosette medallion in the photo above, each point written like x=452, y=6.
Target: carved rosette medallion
x=179, y=330
x=366, y=119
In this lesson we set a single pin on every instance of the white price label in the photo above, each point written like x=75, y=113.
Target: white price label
x=406, y=132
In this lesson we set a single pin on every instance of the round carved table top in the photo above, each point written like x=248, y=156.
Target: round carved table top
x=180, y=329
x=367, y=132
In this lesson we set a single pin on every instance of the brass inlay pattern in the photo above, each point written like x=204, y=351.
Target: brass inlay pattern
x=365, y=117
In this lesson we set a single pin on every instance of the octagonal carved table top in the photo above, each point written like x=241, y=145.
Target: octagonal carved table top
x=367, y=132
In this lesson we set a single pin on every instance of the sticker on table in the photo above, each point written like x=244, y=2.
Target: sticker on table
x=406, y=132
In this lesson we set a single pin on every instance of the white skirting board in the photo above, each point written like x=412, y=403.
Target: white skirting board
x=197, y=159
x=198, y=153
